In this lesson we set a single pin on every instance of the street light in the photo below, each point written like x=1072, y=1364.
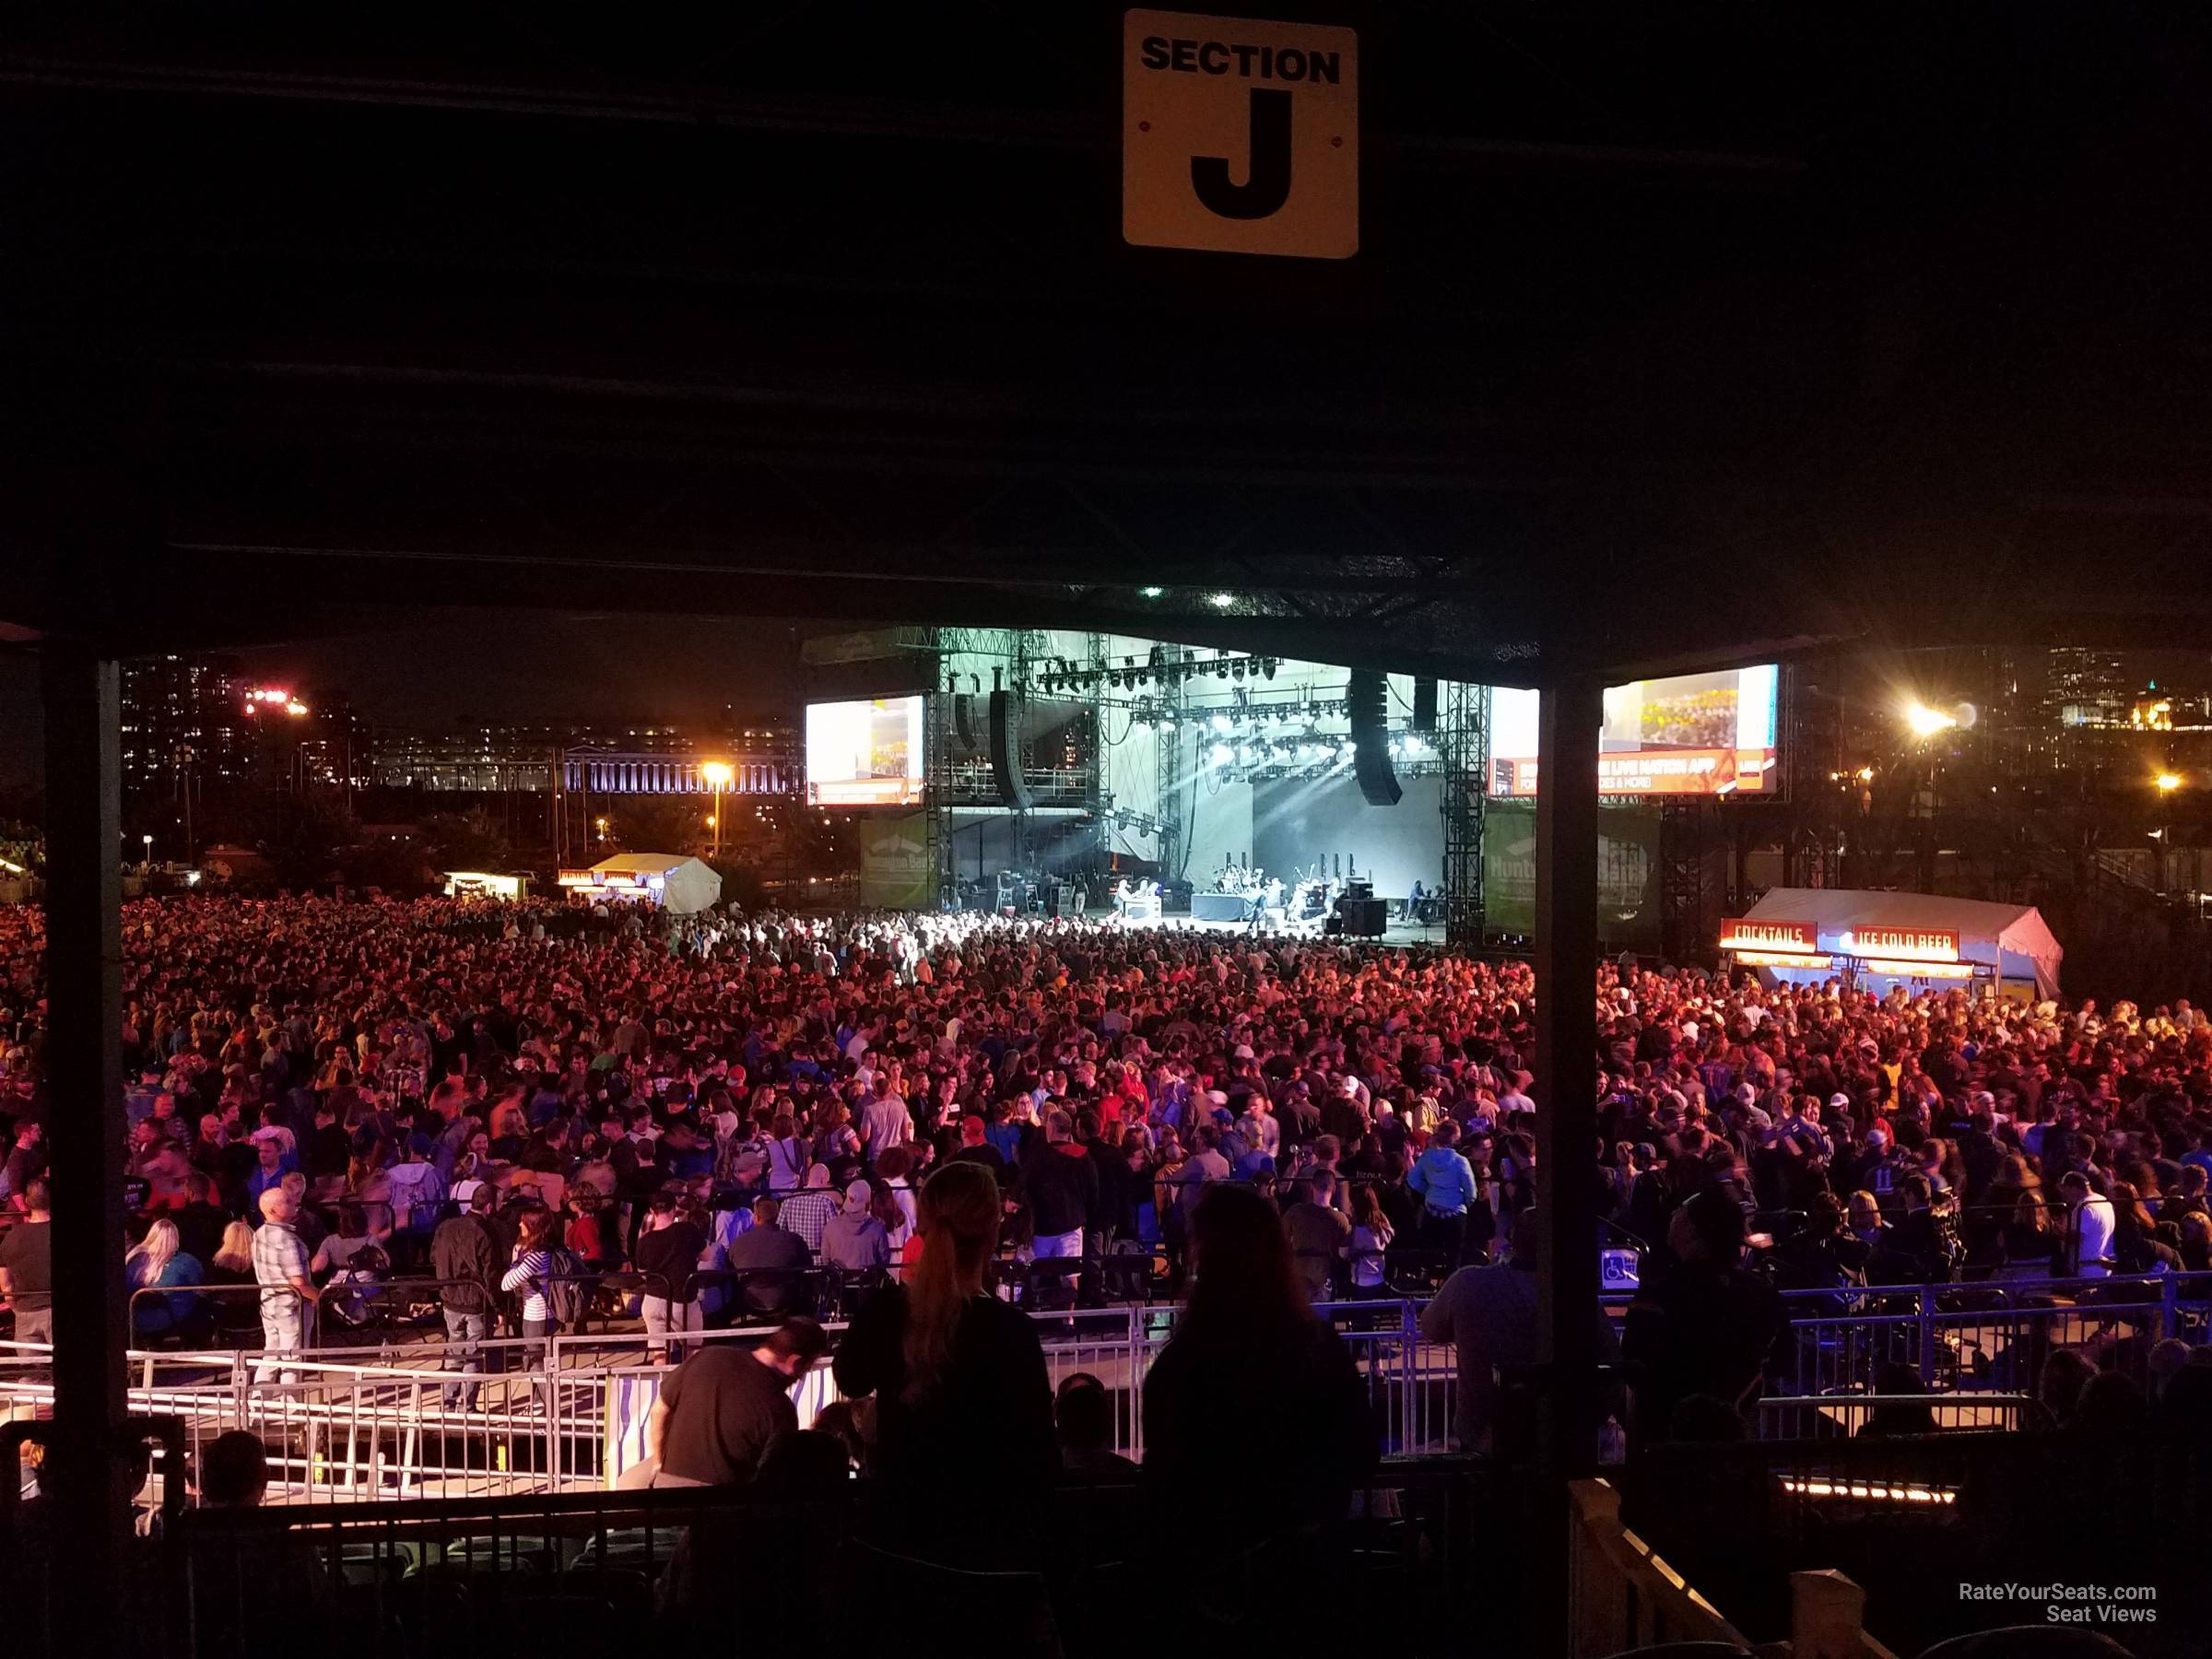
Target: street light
x=1924, y=721
x=2168, y=782
x=148, y=843
x=718, y=774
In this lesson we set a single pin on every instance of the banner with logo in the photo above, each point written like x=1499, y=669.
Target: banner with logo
x=899, y=862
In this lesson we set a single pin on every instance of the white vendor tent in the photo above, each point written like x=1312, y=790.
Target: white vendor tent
x=2011, y=940
x=678, y=883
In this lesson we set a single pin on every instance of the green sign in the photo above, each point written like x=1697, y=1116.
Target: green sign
x=1628, y=873
x=899, y=862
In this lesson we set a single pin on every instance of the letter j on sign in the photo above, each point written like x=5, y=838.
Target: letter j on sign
x=1239, y=135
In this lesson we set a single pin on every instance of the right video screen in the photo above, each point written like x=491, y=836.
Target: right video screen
x=1695, y=733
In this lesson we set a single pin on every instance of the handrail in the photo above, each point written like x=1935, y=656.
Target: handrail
x=1622, y=1594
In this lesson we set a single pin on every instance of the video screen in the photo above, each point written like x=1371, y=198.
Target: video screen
x=1696, y=734
x=867, y=753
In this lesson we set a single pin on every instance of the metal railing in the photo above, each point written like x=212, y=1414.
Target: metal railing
x=1991, y=1335
x=567, y=1411
x=605, y=1571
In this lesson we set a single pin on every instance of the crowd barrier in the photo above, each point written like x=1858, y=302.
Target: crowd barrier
x=1992, y=1335
x=407, y=1419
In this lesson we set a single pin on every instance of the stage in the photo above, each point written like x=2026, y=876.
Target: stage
x=1398, y=933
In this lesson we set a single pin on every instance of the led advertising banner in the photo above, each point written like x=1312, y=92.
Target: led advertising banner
x=1697, y=734
x=867, y=753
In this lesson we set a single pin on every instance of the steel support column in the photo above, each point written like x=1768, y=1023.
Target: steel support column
x=1565, y=1068
x=89, y=1484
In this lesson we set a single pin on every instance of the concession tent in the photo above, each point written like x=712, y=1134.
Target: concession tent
x=678, y=883
x=1901, y=938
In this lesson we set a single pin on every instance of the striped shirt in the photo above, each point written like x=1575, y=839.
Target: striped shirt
x=530, y=1270
x=279, y=1257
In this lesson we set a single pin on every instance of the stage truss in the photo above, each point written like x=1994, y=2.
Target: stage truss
x=1466, y=796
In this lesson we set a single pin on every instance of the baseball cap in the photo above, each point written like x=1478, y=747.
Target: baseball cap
x=1838, y=1099
x=1243, y=1050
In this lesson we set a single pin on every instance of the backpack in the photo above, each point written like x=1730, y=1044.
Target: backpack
x=565, y=1296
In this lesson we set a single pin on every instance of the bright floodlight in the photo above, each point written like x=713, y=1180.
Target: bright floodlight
x=1223, y=601
x=1151, y=593
x=2168, y=782
x=1924, y=721
x=716, y=772
x=295, y=708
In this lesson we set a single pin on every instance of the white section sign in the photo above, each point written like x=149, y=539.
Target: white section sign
x=1239, y=135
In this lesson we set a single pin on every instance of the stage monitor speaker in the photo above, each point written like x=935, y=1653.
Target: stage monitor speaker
x=1368, y=696
x=964, y=739
x=1006, y=754
x=1424, y=705
x=1364, y=918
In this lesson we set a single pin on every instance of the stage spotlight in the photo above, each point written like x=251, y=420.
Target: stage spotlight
x=1222, y=723
x=1219, y=755
x=1346, y=749
x=1221, y=601
x=1268, y=667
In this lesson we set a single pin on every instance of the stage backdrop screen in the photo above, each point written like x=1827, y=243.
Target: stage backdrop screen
x=1697, y=734
x=867, y=753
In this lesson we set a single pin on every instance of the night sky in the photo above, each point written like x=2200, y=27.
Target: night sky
x=499, y=665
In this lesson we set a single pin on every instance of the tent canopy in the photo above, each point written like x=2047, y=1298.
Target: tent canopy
x=686, y=884
x=2011, y=938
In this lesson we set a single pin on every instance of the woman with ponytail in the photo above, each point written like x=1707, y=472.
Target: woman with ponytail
x=965, y=1456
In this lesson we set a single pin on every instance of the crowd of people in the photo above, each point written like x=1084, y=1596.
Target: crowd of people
x=518, y=1098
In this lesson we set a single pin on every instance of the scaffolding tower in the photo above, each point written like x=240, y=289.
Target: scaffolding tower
x=1466, y=784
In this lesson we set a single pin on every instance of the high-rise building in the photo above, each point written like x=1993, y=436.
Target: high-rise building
x=2087, y=686
x=181, y=716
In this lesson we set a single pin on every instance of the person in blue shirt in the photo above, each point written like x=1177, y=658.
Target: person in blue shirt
x=274, y=1163
x=1445, y=1182
x=158, y=1262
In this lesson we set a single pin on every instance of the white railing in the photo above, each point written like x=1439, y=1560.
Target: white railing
x=568, y=1412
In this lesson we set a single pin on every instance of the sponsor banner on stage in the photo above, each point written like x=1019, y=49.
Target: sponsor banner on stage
x=898, y=862
x=1628, y=873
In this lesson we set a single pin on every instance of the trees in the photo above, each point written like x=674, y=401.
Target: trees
x=467, y=840
x=301, y=836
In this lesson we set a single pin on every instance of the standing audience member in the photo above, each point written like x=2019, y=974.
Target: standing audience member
x=27, y=1266
x=1249, y=1335
x=287, y=1293
x=721, y=1412
x=465, y=1257
x=854, y=1241
x=964, y=1419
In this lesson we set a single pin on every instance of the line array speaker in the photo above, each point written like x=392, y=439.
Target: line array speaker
x=1424, y=706
x=1006, y=754
x=1368, y=696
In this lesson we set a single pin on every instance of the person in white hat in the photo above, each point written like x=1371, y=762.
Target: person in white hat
x=854, y=1241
